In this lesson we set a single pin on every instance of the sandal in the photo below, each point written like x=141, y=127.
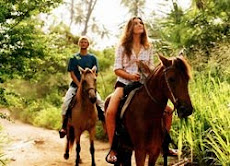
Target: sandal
x=62, y=133
x=172, y=152
x=112, y=159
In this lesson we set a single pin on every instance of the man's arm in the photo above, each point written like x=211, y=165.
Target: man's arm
x=74, y=78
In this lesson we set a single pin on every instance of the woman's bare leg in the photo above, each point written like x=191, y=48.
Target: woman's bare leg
x=111, y=112
x=111, y=119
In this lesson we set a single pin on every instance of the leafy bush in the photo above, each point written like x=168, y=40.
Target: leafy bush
x=50, y=118
x=100, y=133
x=3, y=100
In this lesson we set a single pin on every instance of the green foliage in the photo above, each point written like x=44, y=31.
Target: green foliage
x=27, y=99
x=105, y=58
x=196, y=28
x=105, y=82
x=216, y=65
x=48, y=117
x=106, y=78
x=2, y=97
x=20, y=40
x=100, y=133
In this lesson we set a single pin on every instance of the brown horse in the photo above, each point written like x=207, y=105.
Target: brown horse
x=84, y=114
x=144, y=115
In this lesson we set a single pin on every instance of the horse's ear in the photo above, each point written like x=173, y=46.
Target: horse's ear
x=94, y=69
x=181, y=53
x=81, y=69
x=166, y=62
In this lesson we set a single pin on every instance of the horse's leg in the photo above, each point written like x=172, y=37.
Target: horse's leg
x=165, y=160
x=127, y=158
x=66, y=155
x=70, y=137
x=140, y=156
x=92, y=150
x=153, y=158
x=78, y=148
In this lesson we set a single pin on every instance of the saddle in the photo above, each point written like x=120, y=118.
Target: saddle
x=101, y=115
x=129, y=92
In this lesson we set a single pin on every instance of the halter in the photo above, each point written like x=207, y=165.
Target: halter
x=175, y=103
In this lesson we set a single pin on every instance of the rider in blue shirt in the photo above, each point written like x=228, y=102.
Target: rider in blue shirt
x=84, y=60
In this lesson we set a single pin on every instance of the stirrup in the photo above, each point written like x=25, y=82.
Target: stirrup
x=113, y=158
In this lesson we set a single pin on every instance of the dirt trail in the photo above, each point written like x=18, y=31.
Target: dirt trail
x=26, y=145
x=33, y=146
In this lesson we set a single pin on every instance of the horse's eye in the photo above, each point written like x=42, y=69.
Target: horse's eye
x=171, y=80
x=83, y=83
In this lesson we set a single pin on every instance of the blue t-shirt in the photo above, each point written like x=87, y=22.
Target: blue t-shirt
x=84, y=61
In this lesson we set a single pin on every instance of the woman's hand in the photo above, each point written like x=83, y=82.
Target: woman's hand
x=135, y=77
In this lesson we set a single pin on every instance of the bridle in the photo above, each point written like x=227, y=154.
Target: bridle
x=90, y=88
x=174, y=100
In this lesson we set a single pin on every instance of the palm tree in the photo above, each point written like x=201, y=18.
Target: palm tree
x=135, y=7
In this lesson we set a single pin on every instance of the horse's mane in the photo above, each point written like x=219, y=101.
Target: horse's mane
x=179, y=62
x=183, y=65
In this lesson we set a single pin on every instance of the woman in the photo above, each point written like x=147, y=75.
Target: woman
x=134, y=47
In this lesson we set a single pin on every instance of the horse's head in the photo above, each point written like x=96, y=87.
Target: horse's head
x=176, y=73
x=88, y=83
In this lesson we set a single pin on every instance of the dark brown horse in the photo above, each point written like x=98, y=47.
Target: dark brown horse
x=144, y=115
x=84, y=114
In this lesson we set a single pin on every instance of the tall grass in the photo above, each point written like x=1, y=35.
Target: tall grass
x=2, y=142
x=205, y=136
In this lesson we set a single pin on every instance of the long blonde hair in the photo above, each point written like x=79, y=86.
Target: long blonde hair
x=127, y=37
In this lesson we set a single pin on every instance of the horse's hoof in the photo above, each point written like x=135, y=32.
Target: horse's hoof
x=112, y=159
x=62, y=133
x=66, y=156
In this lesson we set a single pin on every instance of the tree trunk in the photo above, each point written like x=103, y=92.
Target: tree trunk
x=91, y=6
x=71, y=13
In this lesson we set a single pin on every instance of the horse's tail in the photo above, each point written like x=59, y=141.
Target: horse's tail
x=71, y=137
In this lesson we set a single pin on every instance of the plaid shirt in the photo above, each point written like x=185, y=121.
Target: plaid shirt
x=129, y=65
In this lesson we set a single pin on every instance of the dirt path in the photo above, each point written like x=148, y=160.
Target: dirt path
x=26, y=145
x=33, y=146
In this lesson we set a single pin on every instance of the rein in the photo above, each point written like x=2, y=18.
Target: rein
x=169, y=88
x=149, y=94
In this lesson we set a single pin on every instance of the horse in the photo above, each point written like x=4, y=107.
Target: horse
x=83, y=115
x=143, y=118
